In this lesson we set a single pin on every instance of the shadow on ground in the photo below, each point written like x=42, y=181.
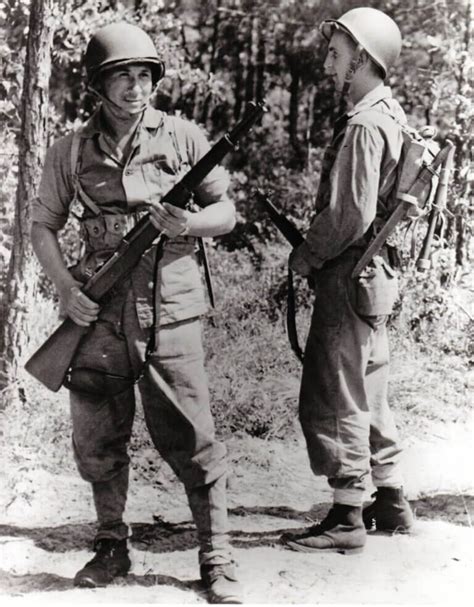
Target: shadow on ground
x=48, y=582
x=163, y=536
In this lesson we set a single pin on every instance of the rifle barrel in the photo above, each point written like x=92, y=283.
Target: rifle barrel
x=284, y=225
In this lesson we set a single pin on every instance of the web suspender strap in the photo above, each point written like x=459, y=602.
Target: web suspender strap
x=79, y=194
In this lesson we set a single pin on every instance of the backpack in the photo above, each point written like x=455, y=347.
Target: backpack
x=420, y=189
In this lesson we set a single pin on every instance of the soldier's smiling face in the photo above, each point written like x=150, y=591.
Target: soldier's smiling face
x=128, y=86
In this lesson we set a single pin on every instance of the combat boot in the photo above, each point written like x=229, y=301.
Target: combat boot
x=341, y=531
x=221, y=584
x=111, y=560
x=389, y=512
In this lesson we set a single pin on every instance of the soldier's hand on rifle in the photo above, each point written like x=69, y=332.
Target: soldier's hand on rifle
x=82, y=310
x=169, y=219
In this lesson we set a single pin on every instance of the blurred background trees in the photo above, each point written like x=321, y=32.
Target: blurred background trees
x=221, y=54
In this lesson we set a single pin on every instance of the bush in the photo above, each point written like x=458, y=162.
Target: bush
x=253, y=373
x=433, y=307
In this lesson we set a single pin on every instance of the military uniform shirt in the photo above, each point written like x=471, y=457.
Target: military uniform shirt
x=358, y=175
x=151, y=170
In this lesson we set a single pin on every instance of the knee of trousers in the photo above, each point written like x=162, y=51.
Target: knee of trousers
x=97, y=467
x=203, y=468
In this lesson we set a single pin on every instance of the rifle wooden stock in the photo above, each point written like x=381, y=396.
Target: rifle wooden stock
x=423, y=262
x=50, y=363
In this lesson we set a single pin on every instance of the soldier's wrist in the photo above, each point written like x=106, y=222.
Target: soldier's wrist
x=187, y=228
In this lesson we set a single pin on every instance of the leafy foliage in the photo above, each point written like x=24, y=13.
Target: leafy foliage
x=220, y=54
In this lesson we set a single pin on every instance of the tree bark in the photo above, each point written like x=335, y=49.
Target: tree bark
x=22, y=276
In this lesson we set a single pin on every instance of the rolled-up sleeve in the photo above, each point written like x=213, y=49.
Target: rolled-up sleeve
x=51, y=206
x=352, y=198
x=213, y=187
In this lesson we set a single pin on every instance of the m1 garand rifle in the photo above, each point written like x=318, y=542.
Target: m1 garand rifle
x=51, y=362
x=295, y=238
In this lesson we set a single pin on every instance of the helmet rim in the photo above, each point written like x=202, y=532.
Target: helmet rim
x=121, y=43
x=157, y=67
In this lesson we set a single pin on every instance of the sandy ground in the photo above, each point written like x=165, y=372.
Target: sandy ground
x=46, y=526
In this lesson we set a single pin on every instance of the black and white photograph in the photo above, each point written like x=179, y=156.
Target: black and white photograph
x=236, y=302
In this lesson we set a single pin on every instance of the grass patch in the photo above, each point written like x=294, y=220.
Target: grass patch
x=254, y=377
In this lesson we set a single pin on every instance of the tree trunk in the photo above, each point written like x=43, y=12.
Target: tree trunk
x=22, y=276
x=238, y=80
x=215, y=37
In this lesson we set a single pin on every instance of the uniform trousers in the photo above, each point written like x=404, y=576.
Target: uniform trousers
x=344, y=412
x=175, y=399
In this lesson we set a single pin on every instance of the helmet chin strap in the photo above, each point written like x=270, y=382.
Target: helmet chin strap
x=115, y=109
x=351, y=70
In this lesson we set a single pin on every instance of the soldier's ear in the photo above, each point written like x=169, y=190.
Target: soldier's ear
x=363, y=59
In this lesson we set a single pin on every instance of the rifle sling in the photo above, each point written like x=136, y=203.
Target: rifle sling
x=291, y=318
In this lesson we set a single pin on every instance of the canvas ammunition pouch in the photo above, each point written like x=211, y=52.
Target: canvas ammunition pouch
x=105, y=231
x=101, y=235
x=376, y=289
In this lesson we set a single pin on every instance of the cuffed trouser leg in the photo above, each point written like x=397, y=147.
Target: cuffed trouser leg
x=175, y=399
x=334, y=412
x=102, y=425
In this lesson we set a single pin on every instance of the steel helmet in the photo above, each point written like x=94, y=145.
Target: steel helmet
x=375, y=31
x=119, y=44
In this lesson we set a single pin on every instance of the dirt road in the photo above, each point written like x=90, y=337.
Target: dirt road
x=46, y=527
